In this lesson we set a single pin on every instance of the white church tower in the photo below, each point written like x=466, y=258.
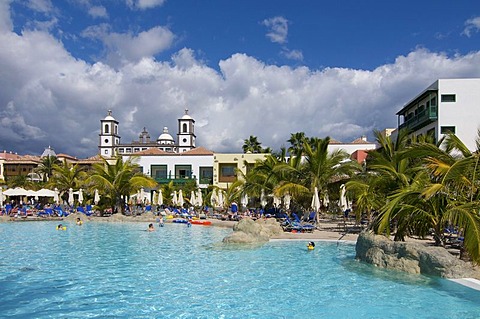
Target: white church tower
x=109, y=138
x=186, y=133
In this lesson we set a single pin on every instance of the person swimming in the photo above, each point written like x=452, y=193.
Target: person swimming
x=150, y=227
x=61, y=227
x=79, y=221
x=311, y=245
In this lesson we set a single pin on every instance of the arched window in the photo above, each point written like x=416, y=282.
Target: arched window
x=184, y=127
x=106, y=129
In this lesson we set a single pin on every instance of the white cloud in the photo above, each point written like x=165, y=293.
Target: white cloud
x=471, y=26
x=278, y=29
x=145, y=4
x=127, y=47
x=296, y=55
x=44, y=6
x=98, y=12
x=49, y=97
x=5, y=21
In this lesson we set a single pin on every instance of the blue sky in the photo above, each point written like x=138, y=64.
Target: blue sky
x=264, y=68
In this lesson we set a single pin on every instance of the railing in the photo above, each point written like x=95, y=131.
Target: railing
x=177, y=179
x=422, y=118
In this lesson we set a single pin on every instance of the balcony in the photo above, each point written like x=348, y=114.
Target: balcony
x=177, y=179
x=421, y=119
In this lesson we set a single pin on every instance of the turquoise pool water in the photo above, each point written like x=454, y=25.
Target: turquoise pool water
x=102, y=270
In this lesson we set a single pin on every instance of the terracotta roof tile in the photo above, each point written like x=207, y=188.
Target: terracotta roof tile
x=360, y=141
x=334, y=141
x=151, y=151
x=198, y=151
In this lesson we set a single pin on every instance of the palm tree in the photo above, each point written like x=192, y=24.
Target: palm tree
x=66, y=176
x=296, y=143
x=46, y=166
x=118, y=180
x=252, y=145
x=317, y=167
x=443, y=191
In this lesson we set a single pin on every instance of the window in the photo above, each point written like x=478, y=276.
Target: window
x=227, y=172
x=448, y=98
x=447, y=129
x=159, y=171
x=206, y=175
x=106, y=129
x=184, y=130
x=183, y=171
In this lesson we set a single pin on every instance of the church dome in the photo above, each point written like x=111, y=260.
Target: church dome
x=165, y=137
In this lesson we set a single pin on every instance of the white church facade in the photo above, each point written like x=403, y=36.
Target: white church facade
x=110, y=145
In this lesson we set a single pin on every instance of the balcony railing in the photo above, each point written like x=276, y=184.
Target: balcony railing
x=421, y=119
x=177, y=179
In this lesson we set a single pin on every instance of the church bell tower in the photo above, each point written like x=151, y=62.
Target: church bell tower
x=186, y=133
x=109, y=138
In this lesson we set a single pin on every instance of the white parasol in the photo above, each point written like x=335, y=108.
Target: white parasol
x=160, y=198
x=80, y=196
x=180, y=198
x=316, y=200
x=214, y=198
x=221, y=200
x=244, y=200
x=70, y=197
x=343, y=198
x=174, y=198
x=199, y=197
x=286, y=201
x=193, y=199
x=17, y=191
x=96, y=197
x=263, y=199
x=276, y=201
x=1, y=197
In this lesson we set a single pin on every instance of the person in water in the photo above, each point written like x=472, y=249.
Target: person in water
x=311, y=245
x=150, y=227
x=61, y=227
x=79, y=221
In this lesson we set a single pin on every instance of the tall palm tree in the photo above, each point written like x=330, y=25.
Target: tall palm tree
x=296, y=143
x=46, y=166
x=317, y=167
x=252, y=145
x=118, y=180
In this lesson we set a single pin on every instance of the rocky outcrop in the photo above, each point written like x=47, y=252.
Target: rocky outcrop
x=411, y=257
x=248, y=231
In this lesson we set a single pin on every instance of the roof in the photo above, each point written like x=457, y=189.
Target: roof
x=198, y=151
x=152, y=151
x=361, y=141
x=334, y=141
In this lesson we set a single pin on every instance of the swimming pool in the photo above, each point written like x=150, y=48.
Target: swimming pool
x=118, y=270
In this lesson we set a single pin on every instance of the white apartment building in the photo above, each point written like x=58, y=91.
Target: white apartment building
x=448, y=105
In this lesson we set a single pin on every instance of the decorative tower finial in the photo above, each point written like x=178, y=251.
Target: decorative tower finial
x=186, y=110
x=109, y=112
